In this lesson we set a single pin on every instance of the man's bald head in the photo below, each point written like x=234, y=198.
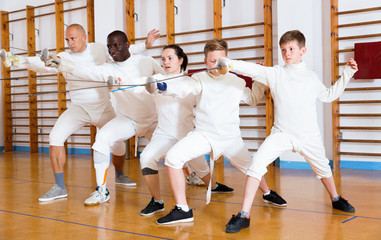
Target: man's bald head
x=76, y=38
x=77, y=27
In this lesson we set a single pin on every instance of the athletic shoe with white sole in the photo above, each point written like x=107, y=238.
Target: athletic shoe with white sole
x=221, y=188
x=193, y=179
x=125, y=180
x=152, y=207
x=54, y=193
x=176, y=215
x=275, y=199
x=101, y=195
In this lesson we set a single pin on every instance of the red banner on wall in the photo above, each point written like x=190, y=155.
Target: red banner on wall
x=368, y=58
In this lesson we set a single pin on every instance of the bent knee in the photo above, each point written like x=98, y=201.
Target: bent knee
x=149, y=171
x=56, y=139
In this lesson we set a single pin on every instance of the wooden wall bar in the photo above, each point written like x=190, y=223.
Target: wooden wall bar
x=335, y=65
x=268, y=36
x=7, y=111
x=91, y=38
x=33, y=122
x=334, y=73
x=130, y=23
x=217, y=18
x=170, y=11
x=60, y=46
x=130, y=20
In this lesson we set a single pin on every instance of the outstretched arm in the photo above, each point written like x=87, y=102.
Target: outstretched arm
x=264, y=75
x=100, y=73
x=187, y=86
x=333, y=92
x=31, y=63
x=152, y=36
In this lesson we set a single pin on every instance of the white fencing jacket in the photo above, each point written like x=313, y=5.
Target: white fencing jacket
x=139, y=107
x=94, y=54
x=217, y=107
x=295, y=90
x=175, y=114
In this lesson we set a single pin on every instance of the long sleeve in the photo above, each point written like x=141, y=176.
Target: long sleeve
x=35, y=64
x=136, y=81
x=96, y=73
x=253, y=96
x=137, y=48
x=157, y=69
x=264, y=75
x=184, y=88
x=335, y=91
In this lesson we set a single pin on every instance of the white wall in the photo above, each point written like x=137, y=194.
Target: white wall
x=109, y=16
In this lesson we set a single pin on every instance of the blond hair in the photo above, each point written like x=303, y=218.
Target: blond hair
x=215, y=45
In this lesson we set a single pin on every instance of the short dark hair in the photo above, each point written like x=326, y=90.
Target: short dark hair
x=215, y=45
x=294, y=35
x=180, y=54
x=119, y=33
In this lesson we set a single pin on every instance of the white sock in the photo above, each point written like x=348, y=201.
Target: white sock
x=158, y=201
x=185, y=208
x=265, y=194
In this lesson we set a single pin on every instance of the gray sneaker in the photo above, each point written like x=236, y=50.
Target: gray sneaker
x=194, y=179
x=124, y=180
x=54, y=193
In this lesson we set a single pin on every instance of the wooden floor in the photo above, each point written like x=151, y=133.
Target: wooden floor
x=24, y=177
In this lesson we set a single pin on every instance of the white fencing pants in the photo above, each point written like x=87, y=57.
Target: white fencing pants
x=195, y=144
x=74, y=118
x=276, y=143
x=112, y=134
x=157, y=149
x=110, y=138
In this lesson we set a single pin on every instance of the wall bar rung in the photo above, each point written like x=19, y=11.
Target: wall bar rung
x=360, y=140
x=252, y=127
x=359, y=10
x=361, y=154
x=358, y=128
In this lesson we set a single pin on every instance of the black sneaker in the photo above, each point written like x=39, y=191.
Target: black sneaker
x=176, y=215
x=343, y=205
x=221, y=188
x=152, y=208
x=275, y=199
x=236, y=223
